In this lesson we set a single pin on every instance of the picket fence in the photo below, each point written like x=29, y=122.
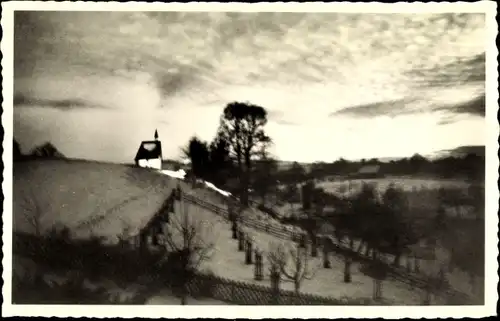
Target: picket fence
x=241, y=293
x=396, y=273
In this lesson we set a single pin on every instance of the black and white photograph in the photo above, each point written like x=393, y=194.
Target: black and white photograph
x=237, y=155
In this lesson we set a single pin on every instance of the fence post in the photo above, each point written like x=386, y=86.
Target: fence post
x=326, y=253
x=314, y=246
x=275, y=285
x=241, y=241
x=258, y=265
x=347, y=269
x=248, y=256
x=234, y=228
x=302, y=241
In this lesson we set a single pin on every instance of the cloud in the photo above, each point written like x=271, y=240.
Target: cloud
x=476, y=107
x=458, y=72
x=383, y=108
x=242, y=48
x=304, y=67
x=21, y=100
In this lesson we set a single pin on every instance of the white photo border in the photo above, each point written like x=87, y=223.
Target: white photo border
x=105, y=311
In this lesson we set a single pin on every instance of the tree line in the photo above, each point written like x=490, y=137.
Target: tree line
x=471, y=166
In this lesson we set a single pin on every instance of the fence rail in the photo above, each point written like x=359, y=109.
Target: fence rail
x=396, y=273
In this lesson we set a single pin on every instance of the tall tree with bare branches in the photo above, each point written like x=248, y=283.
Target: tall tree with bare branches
x=189, y=241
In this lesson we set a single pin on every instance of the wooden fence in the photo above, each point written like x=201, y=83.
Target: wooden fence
x=279, y=232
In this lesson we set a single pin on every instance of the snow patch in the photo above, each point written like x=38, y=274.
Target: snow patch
x=212, y=186
x=180, y=174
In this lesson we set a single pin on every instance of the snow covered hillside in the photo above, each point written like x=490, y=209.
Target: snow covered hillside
x=90, y=198
x=117, y=197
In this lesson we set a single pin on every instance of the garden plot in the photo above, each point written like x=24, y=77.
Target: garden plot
x=228, y=262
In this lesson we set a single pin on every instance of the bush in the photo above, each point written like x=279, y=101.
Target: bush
x=71, y=291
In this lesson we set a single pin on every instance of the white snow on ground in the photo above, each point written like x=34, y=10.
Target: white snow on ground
x=227, y=262
x=71, y=192
x=180, y=174
x=212, y=186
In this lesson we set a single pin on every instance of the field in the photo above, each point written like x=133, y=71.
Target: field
x=422, y=194
x=405, y=183
x=118, y=197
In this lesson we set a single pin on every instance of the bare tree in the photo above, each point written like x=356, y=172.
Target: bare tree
x=189, y=242
x=293, y=262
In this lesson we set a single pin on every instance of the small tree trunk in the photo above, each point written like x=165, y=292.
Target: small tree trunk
x=297, y=285
x=248, y=256
x=326, y=258
x=234, y=229
x=428, y=296
x=184, y=293
x=275, y=286
x=347, y=269
x=258, y=266
x=378, y=289
x=302, y=241
x=314, y=247
x=241, y=241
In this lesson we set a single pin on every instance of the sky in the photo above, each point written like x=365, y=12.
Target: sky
x=95, y=84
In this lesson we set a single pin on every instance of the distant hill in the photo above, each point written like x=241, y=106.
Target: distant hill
x=460, y=151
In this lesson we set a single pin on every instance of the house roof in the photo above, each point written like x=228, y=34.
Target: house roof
x=369, y=169
x=149, y=150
